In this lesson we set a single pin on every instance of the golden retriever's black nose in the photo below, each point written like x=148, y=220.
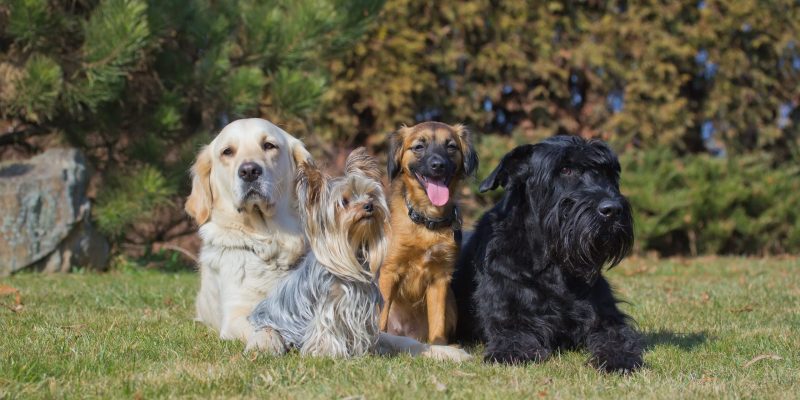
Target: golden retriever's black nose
x=250, y=171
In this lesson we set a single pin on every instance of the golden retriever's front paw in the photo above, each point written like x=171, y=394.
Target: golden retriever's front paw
x=266, y=340
x=446, y=353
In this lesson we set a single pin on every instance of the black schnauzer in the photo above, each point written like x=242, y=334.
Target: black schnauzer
x=528, y=281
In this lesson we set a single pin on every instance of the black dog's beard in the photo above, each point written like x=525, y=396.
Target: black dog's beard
x=582, y=241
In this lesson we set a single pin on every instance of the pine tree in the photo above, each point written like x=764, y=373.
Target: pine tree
x=139, y=84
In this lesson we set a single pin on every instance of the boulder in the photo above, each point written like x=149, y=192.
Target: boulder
x=45, y=215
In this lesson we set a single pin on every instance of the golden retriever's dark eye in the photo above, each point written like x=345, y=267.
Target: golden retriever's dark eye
x=269, y=146
x=227, y=152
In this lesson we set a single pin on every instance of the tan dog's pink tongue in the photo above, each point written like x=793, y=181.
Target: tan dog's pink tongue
x=438, y=192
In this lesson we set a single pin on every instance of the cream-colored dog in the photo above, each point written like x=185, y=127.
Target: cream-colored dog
x=244, y=200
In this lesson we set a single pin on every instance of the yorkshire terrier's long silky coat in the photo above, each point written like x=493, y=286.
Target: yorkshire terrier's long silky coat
x=329, y=305
x=531, y=272
x=427, y=164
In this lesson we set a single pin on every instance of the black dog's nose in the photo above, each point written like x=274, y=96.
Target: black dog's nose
x=609, y=208
x=368, y=207
x=436, y=163
x=250, y=171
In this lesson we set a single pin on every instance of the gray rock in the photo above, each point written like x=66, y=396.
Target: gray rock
x=45, y=215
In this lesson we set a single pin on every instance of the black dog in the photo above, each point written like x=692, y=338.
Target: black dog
x=528, y=281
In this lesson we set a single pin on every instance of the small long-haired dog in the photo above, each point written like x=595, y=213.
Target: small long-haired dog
x=427, y=164
x=329, y=305
x=531, y=272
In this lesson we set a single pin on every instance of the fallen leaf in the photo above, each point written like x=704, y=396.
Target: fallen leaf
x=6, y=290
x=705, y=297
x=746, y=308
x=707, y=379
x=762, y=357
x=543, y=393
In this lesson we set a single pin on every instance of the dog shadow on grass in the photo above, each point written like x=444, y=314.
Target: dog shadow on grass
x=681, y=340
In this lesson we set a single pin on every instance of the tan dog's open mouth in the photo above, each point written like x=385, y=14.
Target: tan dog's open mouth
x=437, y=190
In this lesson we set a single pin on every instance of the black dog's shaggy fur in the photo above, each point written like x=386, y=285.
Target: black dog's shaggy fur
x=528, y=281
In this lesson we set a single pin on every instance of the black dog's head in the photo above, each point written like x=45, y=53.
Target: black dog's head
x=570, y=188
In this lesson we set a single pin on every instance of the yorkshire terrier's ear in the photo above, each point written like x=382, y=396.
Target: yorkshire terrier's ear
x=310, y=181
x=395, y=155
x=467, y=150
x=360, y=162
x=198, y=204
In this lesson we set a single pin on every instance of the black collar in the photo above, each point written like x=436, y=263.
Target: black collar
x=453, y=220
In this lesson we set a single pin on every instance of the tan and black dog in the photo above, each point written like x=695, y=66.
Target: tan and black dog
x=427, y=164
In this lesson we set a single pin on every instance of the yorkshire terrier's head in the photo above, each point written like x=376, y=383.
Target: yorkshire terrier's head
x=346, y=217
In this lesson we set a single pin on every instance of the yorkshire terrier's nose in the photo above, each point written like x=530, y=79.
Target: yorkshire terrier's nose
x=368, y=207
x=250, y=171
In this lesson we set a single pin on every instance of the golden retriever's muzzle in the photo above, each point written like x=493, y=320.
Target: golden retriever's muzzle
x=255, y=187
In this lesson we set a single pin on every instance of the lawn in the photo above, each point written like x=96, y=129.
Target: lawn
x=715, y=327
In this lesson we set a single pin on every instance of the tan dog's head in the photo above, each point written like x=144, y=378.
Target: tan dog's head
x=249, y=167
x=431, y=158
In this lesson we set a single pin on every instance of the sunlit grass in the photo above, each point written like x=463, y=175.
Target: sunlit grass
x=130, y=334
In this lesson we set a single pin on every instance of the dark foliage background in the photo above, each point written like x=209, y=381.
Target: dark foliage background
x=699, y=97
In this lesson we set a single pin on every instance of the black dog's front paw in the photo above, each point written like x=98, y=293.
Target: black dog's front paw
x=623, y=362
x=616, y=350
x=513, y=356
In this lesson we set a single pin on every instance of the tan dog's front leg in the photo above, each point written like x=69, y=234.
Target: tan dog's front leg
x=388, y=286
x=436, y=296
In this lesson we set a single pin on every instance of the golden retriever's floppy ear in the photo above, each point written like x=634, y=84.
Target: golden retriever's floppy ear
x=299, y=152
x=360, y=162
x=395, y=155
x=198, y=204
x=467, y=150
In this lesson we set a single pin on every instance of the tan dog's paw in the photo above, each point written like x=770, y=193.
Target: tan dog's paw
x=446, y=353
x=267, y=341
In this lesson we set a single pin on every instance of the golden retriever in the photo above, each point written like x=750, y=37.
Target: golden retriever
x=244, y=200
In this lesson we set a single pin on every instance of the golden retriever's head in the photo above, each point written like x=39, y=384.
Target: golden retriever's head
x=431, y=158
x=249, y=167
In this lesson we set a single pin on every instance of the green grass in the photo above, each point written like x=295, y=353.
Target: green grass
x=130, y=334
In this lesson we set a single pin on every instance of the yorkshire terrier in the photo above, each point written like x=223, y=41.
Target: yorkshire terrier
x=329, y=305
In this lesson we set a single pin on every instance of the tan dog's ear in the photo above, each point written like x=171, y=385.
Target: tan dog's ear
x=467, y=150
x=360, y=162
x=395, y=155
x=198, y=204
